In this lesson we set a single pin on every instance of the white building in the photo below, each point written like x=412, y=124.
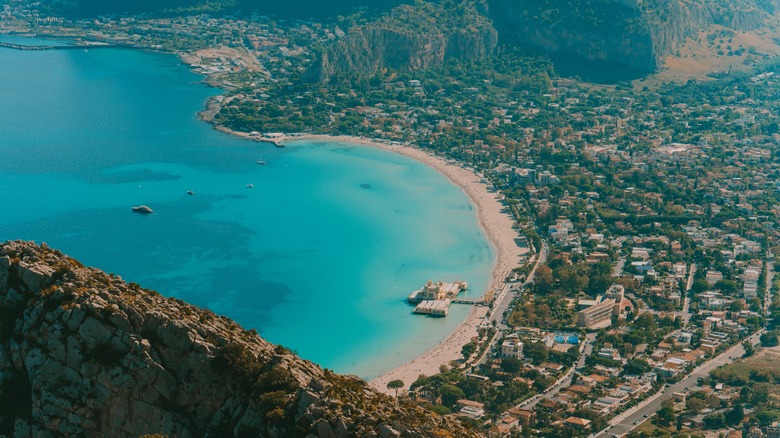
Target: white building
x=512, y=347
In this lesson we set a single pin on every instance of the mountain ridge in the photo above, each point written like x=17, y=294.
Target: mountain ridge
x=83, y=352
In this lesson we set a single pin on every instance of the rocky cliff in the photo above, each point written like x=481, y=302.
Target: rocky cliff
x=409, y=38
x=82, y=353
x=636, y=34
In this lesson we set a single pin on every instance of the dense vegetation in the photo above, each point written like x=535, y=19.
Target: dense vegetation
x=284, y=8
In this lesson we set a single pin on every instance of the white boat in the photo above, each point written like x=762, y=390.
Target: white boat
x=143, y=209
x=250, y=186
x=190, y=192
x=261, y=162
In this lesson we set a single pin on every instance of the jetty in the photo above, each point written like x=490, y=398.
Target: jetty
x=276, y=138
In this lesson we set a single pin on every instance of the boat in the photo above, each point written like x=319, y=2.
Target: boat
x=261, y=162
x=143, y=209
x=190, y=192
x=250, y=186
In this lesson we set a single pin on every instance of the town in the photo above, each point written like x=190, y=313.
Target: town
x=651, y=207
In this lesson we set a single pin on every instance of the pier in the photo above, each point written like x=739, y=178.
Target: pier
x=472, y=302
x=275, y=138
x=434, y=299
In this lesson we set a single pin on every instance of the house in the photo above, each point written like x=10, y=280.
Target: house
x=577, y=423
x=713, y=277
x=524, y=416
x=468, y=403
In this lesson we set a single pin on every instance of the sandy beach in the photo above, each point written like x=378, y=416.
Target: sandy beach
x=497, y=226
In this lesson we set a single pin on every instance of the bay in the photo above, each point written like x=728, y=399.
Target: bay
x=319, y=255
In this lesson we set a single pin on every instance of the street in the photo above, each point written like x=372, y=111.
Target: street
x=627, y=421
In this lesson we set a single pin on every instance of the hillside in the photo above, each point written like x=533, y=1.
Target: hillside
x=601, y=40
x=606, y=40
x=298, y=9
x=83, y=353
x=635, y=35
x=410, y=38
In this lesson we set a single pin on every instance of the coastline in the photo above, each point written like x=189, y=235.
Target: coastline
x=498, y=227
x=496, y=224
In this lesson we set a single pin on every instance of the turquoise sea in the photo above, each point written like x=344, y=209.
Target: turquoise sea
x=318, y=256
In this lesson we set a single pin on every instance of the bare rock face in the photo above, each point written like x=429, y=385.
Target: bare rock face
x=84, y=353
x=635, y=34
x=410, y=38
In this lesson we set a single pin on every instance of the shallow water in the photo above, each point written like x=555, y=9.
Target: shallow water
x=319, y=255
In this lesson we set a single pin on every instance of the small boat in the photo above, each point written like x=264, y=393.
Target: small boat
x=190, y=192
x=143, y=209
x=261, y=162
x=250, y=186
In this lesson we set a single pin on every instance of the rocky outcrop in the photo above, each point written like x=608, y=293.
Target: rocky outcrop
x=410, y=38
x=82, y=353
x=636, y=34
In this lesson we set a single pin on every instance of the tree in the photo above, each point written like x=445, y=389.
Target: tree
x=769, y=339
x=749, y=349
x=695, y=405
x=450, y=395
x=745, y=394
x=468, y=350
x=536, y=351
x=735, y=415
x=543, y=279
x=636, y=367
x=713, y=402
x=760, y=393
x=395, y=384
x=700, y=285
x=421, y=381
x=665, y=416
x=714, y=421
x=511, y=365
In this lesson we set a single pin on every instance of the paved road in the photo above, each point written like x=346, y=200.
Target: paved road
x=585, y=351
x=506, y=299
x=685, y=313
x=624, y=423
x=618, y=271
x=768, y=289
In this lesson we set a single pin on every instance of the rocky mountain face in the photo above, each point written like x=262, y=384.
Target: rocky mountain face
x=636, y=34
x=83, y=353
x=409, y=38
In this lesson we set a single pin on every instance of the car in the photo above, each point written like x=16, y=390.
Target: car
x=636, y=422
x=645, y=415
